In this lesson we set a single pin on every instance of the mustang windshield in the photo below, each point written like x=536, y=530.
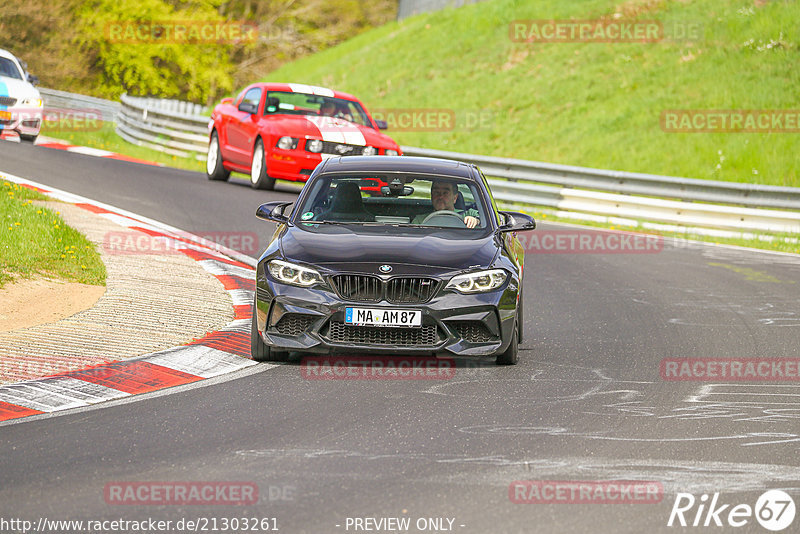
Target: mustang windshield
x=318, y=106
x=393, y=200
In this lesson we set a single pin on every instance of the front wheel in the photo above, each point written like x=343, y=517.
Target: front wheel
x=258, y=169
x=214, y=168
x=28, y=138
x=511, y=354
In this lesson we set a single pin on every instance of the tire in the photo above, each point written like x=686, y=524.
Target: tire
x=214, y=169
x=258, y=169
x=28, y=138
x=511, y=354
x=260, y=351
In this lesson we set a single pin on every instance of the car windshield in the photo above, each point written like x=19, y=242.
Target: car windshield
x=9, y=69
x=315, y=105
x=392, y=199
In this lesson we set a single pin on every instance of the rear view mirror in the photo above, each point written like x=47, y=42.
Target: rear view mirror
x=273, y=211
x=382, y=125
x=33, y=80
x=389, y=192
x=248, y=107
x=517, y=222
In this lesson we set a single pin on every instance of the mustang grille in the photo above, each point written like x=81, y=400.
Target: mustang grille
x=294, y=324
x=330, y=147
x=425, y=335
x=367, y=288
x=472, y=331
x=7, y=101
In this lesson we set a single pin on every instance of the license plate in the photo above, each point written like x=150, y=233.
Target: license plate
x=382, y=317
x=5, y=115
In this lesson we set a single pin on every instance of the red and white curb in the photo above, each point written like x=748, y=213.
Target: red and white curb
x=58, y=144
x=217, y=353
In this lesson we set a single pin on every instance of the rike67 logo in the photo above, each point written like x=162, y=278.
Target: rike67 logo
x=774, y=510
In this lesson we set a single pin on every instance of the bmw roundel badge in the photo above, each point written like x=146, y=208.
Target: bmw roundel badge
x=385, y=268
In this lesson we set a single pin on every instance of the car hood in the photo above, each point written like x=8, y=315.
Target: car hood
x=327, y=129
x=18, y=89
x=437, y=250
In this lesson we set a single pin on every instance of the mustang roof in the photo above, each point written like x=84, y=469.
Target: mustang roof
x=305, y=89
x=446, y=167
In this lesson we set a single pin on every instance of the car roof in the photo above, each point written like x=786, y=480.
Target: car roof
x=400, y=164
x=9, y=55
x=305, y=89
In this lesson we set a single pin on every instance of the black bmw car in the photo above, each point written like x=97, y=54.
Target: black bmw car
x=425, y=265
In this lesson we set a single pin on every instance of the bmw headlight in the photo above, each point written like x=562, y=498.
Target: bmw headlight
x=35, y=102
x=478, y=282
x=314, y=145
x=390, y=152
x=295, y=275
x=369, y=151
x=287, y=143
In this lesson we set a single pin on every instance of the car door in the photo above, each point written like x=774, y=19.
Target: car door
x=242, y=128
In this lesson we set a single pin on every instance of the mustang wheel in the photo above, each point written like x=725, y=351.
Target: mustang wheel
x=214, y=168
x=511, y=355
x=260, y=351
x=258, y=169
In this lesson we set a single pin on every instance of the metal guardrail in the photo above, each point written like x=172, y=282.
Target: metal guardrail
x=181, y=129
x=61, y=99
x=733, y=206
x=169, y=126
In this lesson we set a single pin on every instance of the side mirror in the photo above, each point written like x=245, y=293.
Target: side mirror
x=273, y=211
x=382, y=125
x=248, y=107
x=517, y=222
x=33, y=80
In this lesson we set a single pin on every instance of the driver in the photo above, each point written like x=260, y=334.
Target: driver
x=443, y=197
x=330, y=109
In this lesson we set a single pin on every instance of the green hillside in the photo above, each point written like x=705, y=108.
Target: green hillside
x=586, y=103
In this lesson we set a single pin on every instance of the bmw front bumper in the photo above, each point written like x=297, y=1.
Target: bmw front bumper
x=312, y=320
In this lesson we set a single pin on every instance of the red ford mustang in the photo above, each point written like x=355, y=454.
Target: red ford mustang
x=283, y=130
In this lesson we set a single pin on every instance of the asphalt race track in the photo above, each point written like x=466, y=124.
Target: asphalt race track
x=586, y=402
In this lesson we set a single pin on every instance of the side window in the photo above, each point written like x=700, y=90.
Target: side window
x=253, y=96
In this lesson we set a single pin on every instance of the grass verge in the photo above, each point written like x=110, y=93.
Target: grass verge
x=35, y=241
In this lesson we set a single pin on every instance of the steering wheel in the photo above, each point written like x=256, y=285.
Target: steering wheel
x=447, y=214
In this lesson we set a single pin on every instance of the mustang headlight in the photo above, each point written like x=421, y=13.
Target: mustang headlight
x=295, y=275
x=314, y=145
x=391, y=152
x=287, y=143
x=478, y=282
x=369, y=151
